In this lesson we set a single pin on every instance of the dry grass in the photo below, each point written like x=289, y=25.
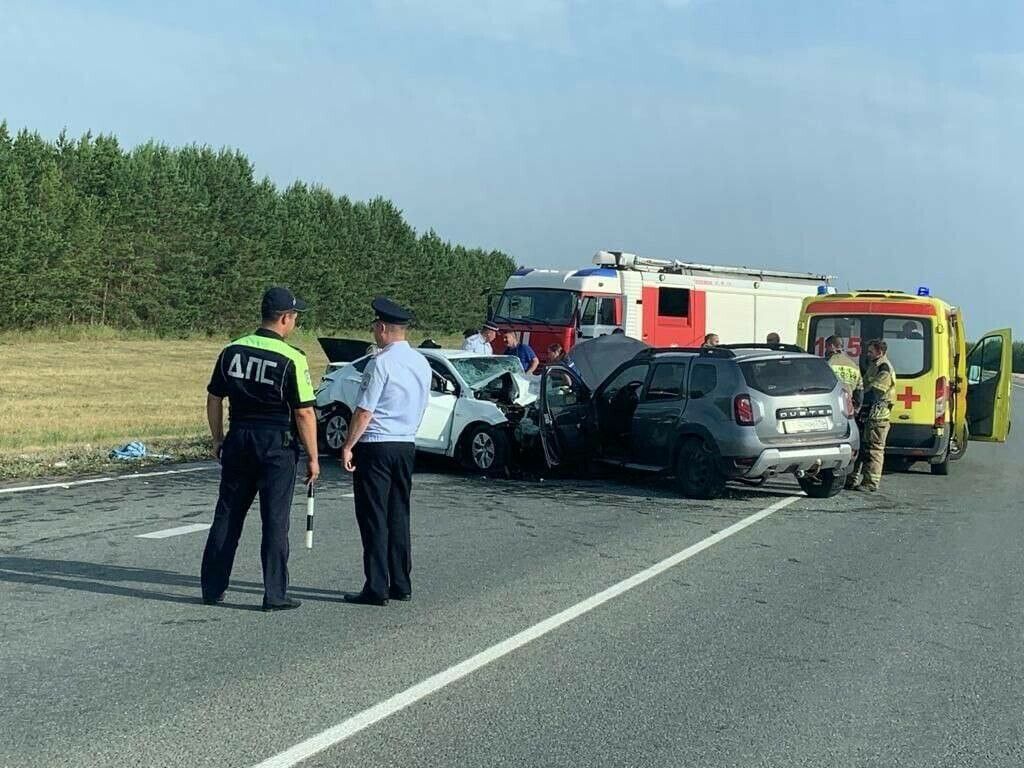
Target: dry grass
x=71, y=394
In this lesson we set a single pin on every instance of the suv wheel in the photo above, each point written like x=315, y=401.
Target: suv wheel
x=485, y=449
x=698, y=475
x=827, y=483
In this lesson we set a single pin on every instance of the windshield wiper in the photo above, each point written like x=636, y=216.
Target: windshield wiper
x=809, y=390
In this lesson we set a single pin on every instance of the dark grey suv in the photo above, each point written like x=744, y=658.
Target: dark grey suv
x=706, y=416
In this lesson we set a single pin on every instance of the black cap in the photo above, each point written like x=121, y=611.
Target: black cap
x=282, y=300
x=388, y=312
x=491, y=326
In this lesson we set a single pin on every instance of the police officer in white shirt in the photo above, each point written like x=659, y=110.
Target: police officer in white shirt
x=380, y=450
x=480, y=343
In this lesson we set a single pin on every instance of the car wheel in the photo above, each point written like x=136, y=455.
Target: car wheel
x=335, y=429
x=485, y=449
x=698, y=475
x=826, y=484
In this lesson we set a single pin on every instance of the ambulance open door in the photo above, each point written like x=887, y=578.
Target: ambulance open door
x=989, y=387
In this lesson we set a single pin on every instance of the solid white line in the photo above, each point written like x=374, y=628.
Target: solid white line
x=409, y=696
x=94, y=480
x=180, y=530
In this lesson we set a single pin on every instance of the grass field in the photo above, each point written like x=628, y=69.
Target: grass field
x=67, y=396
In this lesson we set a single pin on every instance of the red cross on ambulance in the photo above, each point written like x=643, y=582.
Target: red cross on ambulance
x=908, y=398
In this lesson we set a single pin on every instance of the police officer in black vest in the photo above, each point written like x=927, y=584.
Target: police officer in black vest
x=270, y=393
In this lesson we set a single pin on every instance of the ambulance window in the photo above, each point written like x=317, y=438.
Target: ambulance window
x=908, y=342
x=674, y=302
x=606, y=312
x=846, y=328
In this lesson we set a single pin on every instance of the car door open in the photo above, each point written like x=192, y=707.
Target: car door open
x=989, y=382
x=564, y=402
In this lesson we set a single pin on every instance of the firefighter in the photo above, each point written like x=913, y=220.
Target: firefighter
x=270, y=393
x=879, y=399
x=846, y=369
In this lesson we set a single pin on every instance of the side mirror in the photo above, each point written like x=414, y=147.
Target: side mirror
x=447, y=387
x=974, y=374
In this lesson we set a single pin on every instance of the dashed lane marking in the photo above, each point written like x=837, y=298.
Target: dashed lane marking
x=179, y=531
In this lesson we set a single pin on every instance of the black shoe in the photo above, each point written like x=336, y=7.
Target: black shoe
x=213, y=600
x=287, y=605
x=394, y=594
x=865, y=488
x=365, y=598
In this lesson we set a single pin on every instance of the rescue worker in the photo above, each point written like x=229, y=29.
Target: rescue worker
x=380, y=449
x=270, y=394
x=711, y=340
x=846, y=369
x=522, y=350
x=556, y=353
x=480, y=343
x=773, y=338
x=879, y=399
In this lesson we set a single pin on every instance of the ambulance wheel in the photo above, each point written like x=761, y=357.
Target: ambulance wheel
x=825, y=485
x=334, y=428
x=942, y=468
x=485, y=449
x=698, y=474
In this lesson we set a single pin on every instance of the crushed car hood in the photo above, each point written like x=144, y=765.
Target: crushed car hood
x=595, y=359
x=526, y=386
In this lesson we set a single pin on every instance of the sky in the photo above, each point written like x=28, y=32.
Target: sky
x=881, y=141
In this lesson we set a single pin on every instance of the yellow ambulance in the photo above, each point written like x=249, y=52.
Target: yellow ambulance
x=945, y=395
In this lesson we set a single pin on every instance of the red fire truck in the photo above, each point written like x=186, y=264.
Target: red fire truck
x=663, y=303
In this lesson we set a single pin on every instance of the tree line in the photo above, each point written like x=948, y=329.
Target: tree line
x=182, y=240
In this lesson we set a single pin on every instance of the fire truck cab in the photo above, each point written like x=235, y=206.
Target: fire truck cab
x=662, y=303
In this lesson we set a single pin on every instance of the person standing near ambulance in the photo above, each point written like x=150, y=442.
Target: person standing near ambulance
x=879, y=399
x=270, y=394
x=380, y=450
x=846, y=369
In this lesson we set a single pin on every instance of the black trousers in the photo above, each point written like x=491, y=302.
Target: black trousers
x=253, y=461
x=382, y=484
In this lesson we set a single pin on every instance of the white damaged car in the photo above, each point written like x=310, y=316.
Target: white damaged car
x=476, y=402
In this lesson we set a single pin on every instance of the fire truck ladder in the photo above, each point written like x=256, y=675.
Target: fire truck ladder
x=630, y=261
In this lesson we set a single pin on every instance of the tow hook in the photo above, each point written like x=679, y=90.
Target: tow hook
x=812, y=472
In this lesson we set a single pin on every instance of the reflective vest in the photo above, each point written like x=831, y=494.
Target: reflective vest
x=847, y=371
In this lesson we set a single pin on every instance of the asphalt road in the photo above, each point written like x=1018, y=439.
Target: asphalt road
x=866, y=630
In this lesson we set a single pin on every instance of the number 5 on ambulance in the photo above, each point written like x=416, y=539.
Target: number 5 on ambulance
x=945, y=393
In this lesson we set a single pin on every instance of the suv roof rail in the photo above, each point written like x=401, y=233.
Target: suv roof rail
x=719, y=351
x=773, y=347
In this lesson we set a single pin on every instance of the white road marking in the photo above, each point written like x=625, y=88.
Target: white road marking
x=94, y=480
x=179, y=531
x=366, y=718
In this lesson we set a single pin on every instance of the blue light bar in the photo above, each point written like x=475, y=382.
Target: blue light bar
x=922, y=291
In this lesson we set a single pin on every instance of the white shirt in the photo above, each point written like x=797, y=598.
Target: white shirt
x=478, y=345
x=395, y=390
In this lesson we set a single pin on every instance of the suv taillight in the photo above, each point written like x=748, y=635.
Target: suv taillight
x=848, y=403
x=941, y=400
x=744, y=410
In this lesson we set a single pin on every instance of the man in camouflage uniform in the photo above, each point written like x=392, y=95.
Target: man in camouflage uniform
x=879, y=398
x=847, y=369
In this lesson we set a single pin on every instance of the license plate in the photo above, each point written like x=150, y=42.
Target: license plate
x=796, y=426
